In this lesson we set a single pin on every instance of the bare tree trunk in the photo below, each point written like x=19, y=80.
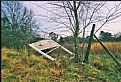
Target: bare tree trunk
x=83, y=43
x=76, y=32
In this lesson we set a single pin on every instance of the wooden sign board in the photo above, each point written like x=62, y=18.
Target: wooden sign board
x=47, y=44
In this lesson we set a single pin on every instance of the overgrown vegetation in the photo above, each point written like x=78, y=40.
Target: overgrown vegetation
x=18, y=66
x=17, y=25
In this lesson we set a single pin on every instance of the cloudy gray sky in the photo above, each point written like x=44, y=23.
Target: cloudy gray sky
x=113, y=27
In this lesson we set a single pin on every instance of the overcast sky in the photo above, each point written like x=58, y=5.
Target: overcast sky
x=112, y=27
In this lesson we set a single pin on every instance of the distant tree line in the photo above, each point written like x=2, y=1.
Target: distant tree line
x=108, y=37
x=103, y=36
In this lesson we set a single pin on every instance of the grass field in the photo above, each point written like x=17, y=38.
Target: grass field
x=18, y=67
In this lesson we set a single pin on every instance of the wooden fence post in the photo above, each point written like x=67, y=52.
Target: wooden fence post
x=89, y=44
x=114, y=58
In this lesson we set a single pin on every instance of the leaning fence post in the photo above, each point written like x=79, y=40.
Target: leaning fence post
x=114, y=58
x=89, y=44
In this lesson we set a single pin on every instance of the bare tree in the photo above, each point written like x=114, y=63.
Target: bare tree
x=81, y=14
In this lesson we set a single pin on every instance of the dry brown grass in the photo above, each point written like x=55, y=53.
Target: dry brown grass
x=5, y=52
x=114, y=47
x=96, y=48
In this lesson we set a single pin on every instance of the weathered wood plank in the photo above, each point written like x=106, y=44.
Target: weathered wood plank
x=66, y=50
x=44, y=54
x=52, y=49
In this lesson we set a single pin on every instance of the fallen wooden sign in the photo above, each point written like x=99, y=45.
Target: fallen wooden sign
x=47, y=44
